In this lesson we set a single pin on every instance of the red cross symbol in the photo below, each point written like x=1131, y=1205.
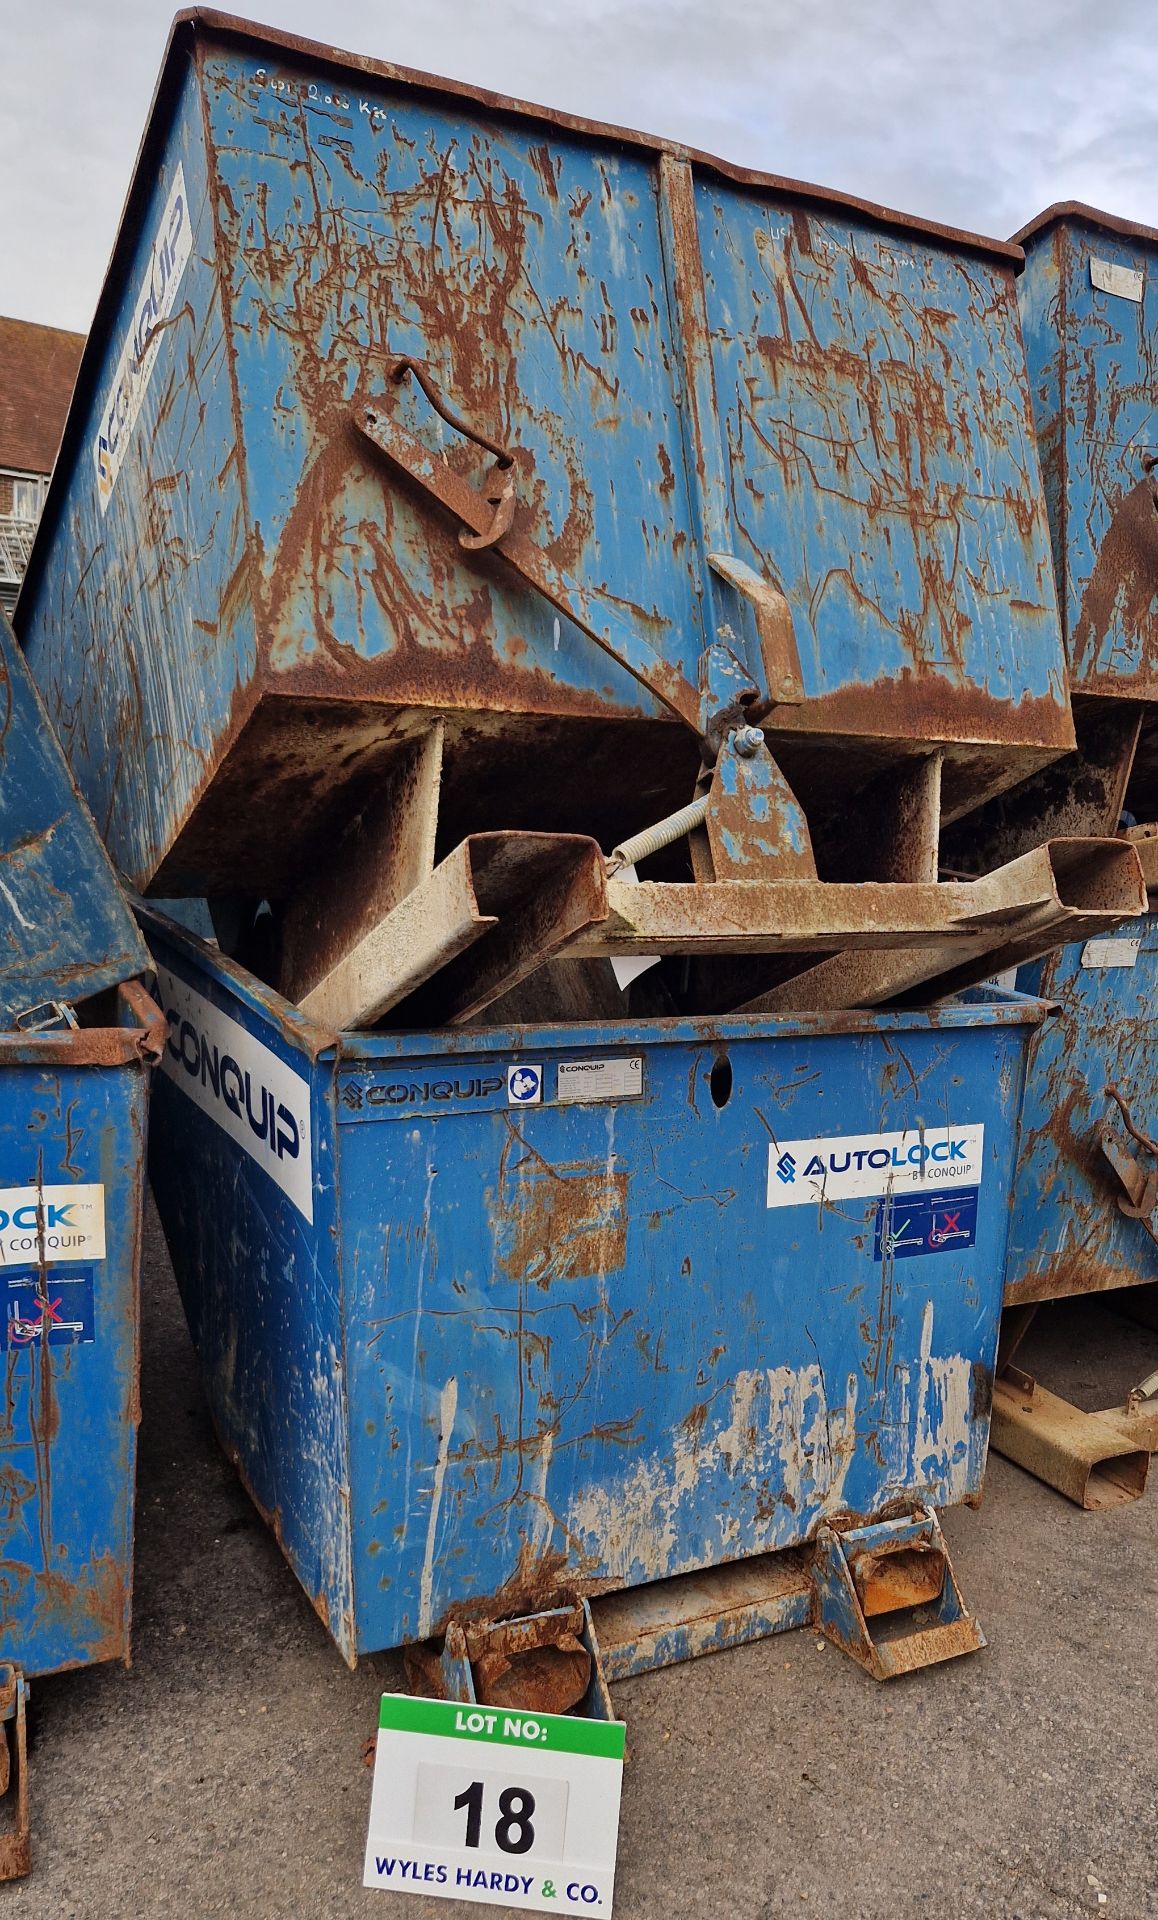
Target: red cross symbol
x=25, y=1331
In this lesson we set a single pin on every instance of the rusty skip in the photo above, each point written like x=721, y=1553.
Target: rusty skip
x=608, y=377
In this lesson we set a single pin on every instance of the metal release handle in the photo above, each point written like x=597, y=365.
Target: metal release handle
x=500, y=490
x=407, y=364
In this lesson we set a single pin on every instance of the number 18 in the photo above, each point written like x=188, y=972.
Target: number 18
x=513, y=1830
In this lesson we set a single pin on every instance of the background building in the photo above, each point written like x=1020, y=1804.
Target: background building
x=37, y=370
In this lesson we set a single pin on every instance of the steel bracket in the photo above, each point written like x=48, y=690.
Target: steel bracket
x=898, y=1571
x=1098, y=1460
x=544, y=1662
x=779, y=654
x=754, y=825
x=16, y=1836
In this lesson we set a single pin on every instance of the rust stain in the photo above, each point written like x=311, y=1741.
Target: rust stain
x=541, y=1580
x=1121, y=590
x=562, y=1222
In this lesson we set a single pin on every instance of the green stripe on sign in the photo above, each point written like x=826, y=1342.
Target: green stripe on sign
x=546, y=1732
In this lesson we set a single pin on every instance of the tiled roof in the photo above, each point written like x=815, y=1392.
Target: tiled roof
x=37, y=369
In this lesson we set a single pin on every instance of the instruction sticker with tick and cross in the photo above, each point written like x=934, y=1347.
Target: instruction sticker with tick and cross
x=911, y=1224
x=508, y=1808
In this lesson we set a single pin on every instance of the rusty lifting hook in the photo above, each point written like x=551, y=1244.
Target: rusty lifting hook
x=500, y=492
x=1132, y=1128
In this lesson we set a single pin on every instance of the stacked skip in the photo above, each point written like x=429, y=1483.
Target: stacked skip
x=78, y=1037
x=547, y=593
x=1085, y=1212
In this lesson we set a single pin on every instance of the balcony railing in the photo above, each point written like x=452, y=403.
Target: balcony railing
x=16, y=537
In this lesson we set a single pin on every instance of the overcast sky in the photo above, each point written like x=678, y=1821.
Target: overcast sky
x=977, y=112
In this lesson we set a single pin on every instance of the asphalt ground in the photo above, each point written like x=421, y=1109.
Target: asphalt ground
x=224, y=1773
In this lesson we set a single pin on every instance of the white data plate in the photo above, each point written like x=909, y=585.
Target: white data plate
x=1127, y=282
x=509, y=1809
x=1111, y=952
x=616, y=1078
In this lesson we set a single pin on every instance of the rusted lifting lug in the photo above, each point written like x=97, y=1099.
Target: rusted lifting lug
x=16, y=1835
x=489, y=519
x=499, y=492
x=537, y=1663
x=899, y=1569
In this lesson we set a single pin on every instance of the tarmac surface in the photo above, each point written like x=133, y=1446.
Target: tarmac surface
x=224, y=1773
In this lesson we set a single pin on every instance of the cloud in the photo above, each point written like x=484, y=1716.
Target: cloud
x=978, y=113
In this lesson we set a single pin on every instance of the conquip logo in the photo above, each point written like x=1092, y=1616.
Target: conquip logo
x=156, y=297
x=246, y=1088
x=868, y=1165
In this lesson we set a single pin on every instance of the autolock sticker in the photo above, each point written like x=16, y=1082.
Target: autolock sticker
x=910, y=1224
x=57, y=1310
x=44, y=1225
x=242, y=1085
x=851, y=1166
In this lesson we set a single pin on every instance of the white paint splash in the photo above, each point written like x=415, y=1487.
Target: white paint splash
x=419, y=1302
x=12, y=902
x=779, y=1459
x=447, y=1408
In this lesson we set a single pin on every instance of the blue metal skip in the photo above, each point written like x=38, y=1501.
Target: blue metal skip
x=488, y=1312
x=1089, y=299
x=1090, y=1093
x=78, y=1041
x=73, y=1111
x=233, y=598
x=66, y=932
x=1089, y=304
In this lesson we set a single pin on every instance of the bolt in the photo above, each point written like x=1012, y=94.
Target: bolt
x=747, y=741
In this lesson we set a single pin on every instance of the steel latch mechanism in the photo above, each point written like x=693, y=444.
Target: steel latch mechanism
x=16, y=1833
x=775, y=631
x=1139, y=1200
x=740, y=780
x=500, y=487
